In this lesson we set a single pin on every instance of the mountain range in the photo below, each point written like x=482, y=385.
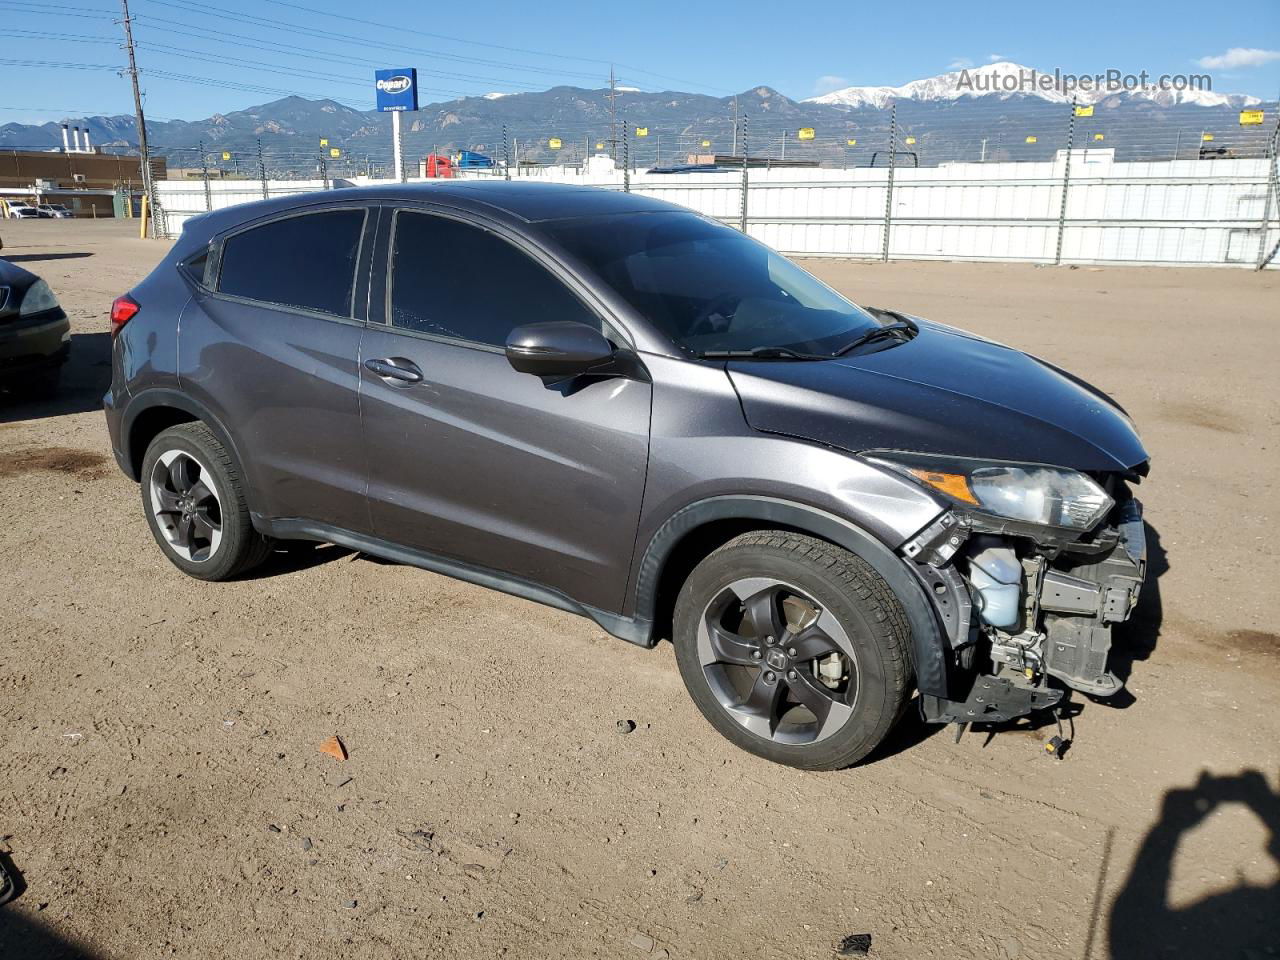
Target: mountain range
x=941, y=121
x=1007, y=79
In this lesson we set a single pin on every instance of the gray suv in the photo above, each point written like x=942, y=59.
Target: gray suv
x=626, y=410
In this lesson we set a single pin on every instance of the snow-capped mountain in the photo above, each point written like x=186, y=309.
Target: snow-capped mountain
x=1006, y=79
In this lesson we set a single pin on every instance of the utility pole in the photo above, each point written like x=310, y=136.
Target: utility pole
x=204, y=170
x=148, y=188
x=613, y=115
x=262, y=171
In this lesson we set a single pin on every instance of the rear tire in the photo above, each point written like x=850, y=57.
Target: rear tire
x=816, y=619
x=193, y=499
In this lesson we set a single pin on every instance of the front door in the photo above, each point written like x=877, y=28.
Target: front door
x=472, y=461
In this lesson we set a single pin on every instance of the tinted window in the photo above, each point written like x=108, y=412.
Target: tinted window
x=452, y=279
x=307, y=261
x=710, y=287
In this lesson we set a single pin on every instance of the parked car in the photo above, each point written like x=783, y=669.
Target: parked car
x=55, y=211
x=35, y=335
x=22, y=211
x=626, y=410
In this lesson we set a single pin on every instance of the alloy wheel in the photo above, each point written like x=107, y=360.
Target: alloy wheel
x=185, y=502
x=778, y=661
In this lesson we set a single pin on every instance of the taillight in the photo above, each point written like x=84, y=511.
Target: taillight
x=122, y=311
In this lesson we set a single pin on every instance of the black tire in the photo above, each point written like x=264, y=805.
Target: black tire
x=833, y=581
x=239, y=547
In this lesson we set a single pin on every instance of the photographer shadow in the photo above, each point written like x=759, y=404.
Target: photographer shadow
x=1240, y=922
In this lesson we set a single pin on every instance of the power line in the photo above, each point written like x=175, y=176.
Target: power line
x=186, y=6
x=294, y=50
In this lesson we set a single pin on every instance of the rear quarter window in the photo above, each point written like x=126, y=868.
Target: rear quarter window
x=306, y=261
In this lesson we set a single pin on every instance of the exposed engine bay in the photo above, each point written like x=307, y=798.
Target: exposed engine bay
x=1029, y=610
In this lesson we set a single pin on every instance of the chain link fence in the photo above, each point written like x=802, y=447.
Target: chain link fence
x=1053, y=184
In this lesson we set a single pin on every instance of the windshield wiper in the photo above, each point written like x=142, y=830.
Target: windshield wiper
x=904, y=328
x=761, y=353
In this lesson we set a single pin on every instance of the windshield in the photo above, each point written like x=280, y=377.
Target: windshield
x=711, y=288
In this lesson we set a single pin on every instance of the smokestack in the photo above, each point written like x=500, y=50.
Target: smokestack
x=65, y=147
x=75, y=139
x=87, y=147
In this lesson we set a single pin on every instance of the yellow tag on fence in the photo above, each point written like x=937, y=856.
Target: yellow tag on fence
x=1085, y=111
x=554, y=143
x=1250, y=118
x=911, y=141
x=1031, y=140
x=642, y=131
x=806, y=133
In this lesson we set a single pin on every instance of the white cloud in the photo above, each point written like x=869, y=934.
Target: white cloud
x=996, y=57
x=960, y=63
x=826, y=84
x=1239, y=57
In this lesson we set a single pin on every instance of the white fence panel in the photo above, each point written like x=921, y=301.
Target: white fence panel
x=1183, y=212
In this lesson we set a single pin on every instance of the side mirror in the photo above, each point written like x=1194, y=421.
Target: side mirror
x=559, y=350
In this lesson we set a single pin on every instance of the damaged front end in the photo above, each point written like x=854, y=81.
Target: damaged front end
x=1026, y=599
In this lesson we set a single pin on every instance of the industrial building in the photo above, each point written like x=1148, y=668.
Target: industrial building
x=89, y=182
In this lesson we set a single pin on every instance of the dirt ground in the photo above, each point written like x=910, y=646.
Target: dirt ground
x=162, y=792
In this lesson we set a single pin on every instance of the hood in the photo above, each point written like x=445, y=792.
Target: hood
x=945, y=392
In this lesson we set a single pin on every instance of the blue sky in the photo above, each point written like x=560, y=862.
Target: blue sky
x=189, y=53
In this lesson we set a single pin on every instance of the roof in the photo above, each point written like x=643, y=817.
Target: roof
x=530, y=202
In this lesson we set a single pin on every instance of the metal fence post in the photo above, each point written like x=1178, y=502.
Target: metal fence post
x=204, y=169
x=506, y=154
x=626, y=160
x=1273, y=190
x=1066, y=183
x=743, y=224
x=888, y=193
x=262, y=170
x=324, y=172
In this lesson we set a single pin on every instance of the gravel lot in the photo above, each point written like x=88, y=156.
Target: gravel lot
x=162, y=791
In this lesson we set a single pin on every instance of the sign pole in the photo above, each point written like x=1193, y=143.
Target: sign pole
x=397, y=91
x=395, y=146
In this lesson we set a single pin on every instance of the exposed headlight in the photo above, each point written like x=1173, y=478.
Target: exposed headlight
x=37, y=299
x=1031, y=493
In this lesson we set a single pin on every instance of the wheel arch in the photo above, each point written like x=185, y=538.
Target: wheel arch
x=696, y=530
x=158, y=409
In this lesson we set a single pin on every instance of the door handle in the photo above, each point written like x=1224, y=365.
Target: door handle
x=397, y=368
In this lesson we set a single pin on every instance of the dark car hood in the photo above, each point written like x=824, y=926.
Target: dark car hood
x=12, y=275
x=942, y=392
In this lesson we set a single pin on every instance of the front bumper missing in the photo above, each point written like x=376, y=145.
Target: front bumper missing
x=1073, y=595
x=1081, y=604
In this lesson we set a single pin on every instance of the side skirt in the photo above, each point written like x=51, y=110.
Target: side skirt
x=637, y=631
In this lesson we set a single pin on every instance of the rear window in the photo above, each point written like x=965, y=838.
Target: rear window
x=306, y=261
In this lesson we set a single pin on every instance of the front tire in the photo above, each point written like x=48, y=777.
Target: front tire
x=794, y=649
x=193, y=499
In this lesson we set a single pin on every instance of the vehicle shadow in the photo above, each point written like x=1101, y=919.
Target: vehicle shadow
x=37, y=257
x=23, y=939
x=1241, y=922
x=295, y=556
x=85, y=378
x=907, y=733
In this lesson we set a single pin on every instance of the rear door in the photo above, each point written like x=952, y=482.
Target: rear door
x=469, y=459
x=271, y=345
